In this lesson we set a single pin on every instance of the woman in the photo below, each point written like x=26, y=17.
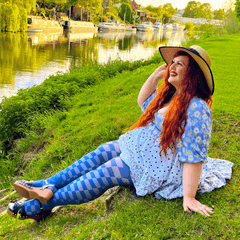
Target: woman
x=164, y=153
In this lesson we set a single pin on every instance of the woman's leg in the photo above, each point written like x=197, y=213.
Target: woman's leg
x=86, y=188
x=84, y=165
x=89, y=162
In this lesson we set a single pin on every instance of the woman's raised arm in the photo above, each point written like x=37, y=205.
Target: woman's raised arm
x=151, y=84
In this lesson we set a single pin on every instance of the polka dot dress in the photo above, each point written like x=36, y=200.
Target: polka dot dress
x=162, y=175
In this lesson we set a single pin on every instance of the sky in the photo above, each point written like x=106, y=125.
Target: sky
x=181, y=4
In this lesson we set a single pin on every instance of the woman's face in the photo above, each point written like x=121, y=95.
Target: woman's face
x=178, y=71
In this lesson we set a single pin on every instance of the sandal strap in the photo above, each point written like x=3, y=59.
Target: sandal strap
x=26, y=183
x=47, y=186
x=29, y=184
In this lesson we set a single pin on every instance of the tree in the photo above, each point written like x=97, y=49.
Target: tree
x=93, y=6
x=169, y=8
x=125, y=1
x=219, y=14
x=157, y=10
x=14, y=14
x=168, y=11
x=231, y=23
x=237, y=9
x=191, y=9
x=197, y=10
x=229, y=4
x=163, y=13
x=205, y=11
x=25, y=4
x=126, y=12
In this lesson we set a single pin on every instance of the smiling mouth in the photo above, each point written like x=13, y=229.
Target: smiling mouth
x=173, y=74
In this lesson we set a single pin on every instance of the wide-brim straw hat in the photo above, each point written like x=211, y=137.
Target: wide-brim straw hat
x=197, y=53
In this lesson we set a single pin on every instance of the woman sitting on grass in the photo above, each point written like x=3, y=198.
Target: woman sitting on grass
x=164, y=154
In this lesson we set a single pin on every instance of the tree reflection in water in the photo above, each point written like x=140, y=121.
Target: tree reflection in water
x=29, y=59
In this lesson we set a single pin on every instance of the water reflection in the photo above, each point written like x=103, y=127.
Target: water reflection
x=27, y=60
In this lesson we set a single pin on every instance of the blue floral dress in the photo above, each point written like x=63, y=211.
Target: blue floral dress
x=162, y=175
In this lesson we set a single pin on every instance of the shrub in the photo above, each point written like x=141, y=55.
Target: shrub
x=53, y=95
x=189, y=26
x=231, y=23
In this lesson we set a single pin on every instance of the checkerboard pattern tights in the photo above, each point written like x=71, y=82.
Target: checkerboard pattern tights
x=89, y=162
x=91, y=184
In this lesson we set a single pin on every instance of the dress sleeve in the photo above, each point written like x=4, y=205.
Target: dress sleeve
x=147, y=101
x=196, y=138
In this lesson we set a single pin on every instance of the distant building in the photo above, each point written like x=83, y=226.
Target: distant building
x=80, y=14
x=134, y=5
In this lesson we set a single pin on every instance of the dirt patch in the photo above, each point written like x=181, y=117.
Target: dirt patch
x=34, y=150
x=2, y=193
x=30, y=154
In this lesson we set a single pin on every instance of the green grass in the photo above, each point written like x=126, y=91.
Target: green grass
x=100, y=113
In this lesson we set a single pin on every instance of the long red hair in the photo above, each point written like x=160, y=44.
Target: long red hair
x=195, y=85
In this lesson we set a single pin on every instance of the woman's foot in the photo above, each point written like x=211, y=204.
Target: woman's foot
x=18, y=208
x=27, y=190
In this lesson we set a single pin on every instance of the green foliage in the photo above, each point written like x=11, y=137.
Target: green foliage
x=40, y=12
x=126, y=12
x=9, y=16
x=162, y=13
x=158, y=10
x=189, y=26
x=93, y=6
x=52, y=95
x=23, y=19
x=207, y=30
x=168, y=11
x=231, y=23
x=197, y=10
x=237, y=9
x=28, y=5
x=97, y=11
x=13, y=18
x=219, y=14
x=125, y=1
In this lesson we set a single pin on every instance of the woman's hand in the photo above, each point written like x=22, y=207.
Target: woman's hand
x=158, y=73
x=151, y=84
x=194, y=205
x=191, y=176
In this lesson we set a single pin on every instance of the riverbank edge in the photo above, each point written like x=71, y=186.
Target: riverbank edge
x=54, y=95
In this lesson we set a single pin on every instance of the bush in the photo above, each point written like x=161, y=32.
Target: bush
x=231, y=24
x=53, y=95
x=40, y=12
x=190, y=28
x=207, y=30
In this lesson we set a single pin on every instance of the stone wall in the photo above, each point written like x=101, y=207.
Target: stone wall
x=196, y=21
x=54, y=26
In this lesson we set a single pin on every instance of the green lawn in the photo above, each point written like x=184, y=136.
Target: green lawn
x=99, y=114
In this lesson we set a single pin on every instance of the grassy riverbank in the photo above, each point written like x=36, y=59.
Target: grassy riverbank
x=56, y=136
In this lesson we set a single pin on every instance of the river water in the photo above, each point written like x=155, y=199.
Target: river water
x=27, y=60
